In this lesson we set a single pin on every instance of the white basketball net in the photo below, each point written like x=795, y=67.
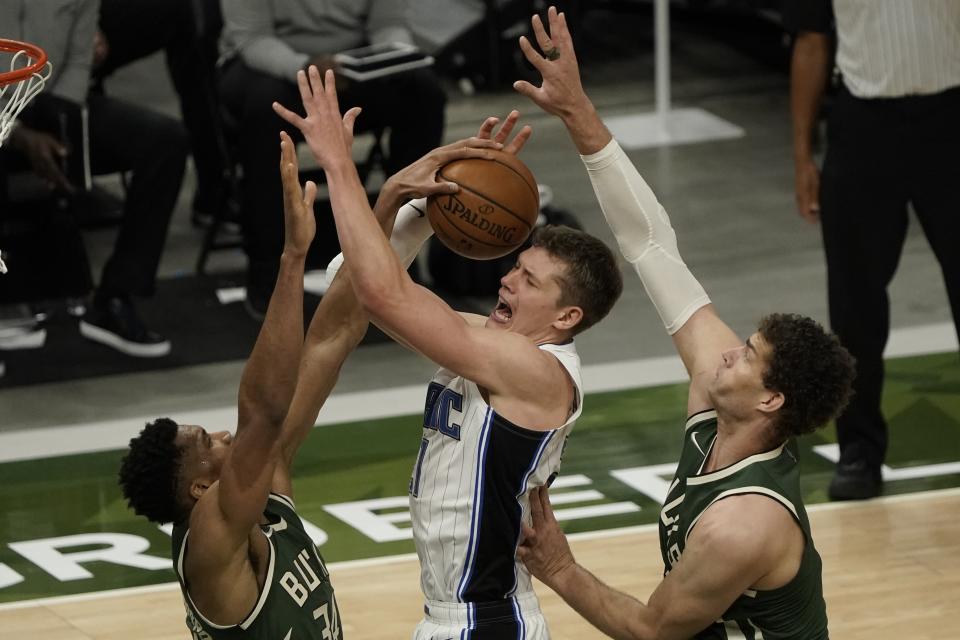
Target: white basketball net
x=14, y=97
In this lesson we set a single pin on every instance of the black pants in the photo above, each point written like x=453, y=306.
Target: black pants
x=883, y=154
x=410, y=105
x=150, y=146
x=187, y=32
x=153, y=147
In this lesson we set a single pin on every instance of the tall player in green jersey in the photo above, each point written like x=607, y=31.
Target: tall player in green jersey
x=739, y=558
x=246, y=564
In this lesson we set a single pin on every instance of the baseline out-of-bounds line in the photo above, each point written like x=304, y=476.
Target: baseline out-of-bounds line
x=386, y=560
x=355, y=406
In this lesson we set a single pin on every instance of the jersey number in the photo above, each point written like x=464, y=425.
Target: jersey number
x=330, y=617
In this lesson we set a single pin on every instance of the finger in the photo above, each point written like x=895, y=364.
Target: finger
x=528, y=535
x=330, y=87
x=291, y=186
x=288, y=154
x=475, y=143
x=293, y=118
x=316, y=81
x=524, y=88
x=350, y=118
x=309, y=195
x=560, y=33
x=507, y=126
x=532, y=56
x=519, y=140
x=540, y=33
x=547, y=507
x=306, y=92
x=536, y=507
x=486, y=129
x=449, y=155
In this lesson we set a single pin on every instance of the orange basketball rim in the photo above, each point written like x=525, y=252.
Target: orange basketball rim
x=29, y=71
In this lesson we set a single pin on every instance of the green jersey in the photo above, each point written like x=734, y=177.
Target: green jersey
x=794, y=611
x=296, y=602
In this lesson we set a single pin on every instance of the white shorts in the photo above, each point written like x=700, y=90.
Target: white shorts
x=517, y=617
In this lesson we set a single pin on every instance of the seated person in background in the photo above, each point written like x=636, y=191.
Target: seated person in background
x=265, y=43
x=187, y=32
x=123, y=137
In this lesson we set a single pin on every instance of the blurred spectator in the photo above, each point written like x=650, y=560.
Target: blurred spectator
x=123, y=137
x=265, y=43
x=187, y=32
x=892, y=140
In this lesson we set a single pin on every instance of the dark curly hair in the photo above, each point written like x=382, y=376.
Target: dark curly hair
x=593, y=281
x=810, y=368
x=149, y=473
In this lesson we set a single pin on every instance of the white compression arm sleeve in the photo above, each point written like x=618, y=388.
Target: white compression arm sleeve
x=646, y=239
x=410, y=231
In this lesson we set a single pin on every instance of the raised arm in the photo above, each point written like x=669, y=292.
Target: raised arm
x=398, y=305
x=338, y=325
x=233, y=505
x=412, y=228
x=640, y=224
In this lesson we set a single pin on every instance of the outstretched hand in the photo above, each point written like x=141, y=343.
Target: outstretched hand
x=299, y=223
x=514, y=146
x=544, y=548
x=329, y=136
x=560, y=93
x=420, y=179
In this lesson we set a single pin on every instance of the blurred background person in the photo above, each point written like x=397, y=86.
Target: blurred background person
x=892, y=140
x=122, y=137
x=265, y=43
x=187, y=31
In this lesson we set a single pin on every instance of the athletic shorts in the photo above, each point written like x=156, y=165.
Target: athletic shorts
x=517, y=617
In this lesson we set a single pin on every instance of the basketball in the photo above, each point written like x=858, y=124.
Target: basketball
x=494, y=211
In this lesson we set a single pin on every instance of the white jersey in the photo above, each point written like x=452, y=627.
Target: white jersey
x=468, y=491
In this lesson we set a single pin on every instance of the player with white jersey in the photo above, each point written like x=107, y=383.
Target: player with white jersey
x=468, y=494
x=508, y=391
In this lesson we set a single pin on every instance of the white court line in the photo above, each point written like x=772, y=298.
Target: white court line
x=385, y=560
x=355, y=406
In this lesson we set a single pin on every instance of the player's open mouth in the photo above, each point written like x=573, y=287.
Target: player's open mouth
x=502, y=312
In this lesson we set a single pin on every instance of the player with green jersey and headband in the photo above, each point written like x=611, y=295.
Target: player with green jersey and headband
x=739, y=557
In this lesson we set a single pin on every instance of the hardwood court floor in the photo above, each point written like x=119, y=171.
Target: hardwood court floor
x=891, y=571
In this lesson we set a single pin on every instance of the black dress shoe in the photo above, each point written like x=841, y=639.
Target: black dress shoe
x=114, y=322
x=855, y=481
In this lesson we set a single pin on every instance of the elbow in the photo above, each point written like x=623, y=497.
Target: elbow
x=252, y=408
x=354, y=331
x=377, y=295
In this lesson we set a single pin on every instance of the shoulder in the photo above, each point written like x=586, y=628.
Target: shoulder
x=745, y=526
